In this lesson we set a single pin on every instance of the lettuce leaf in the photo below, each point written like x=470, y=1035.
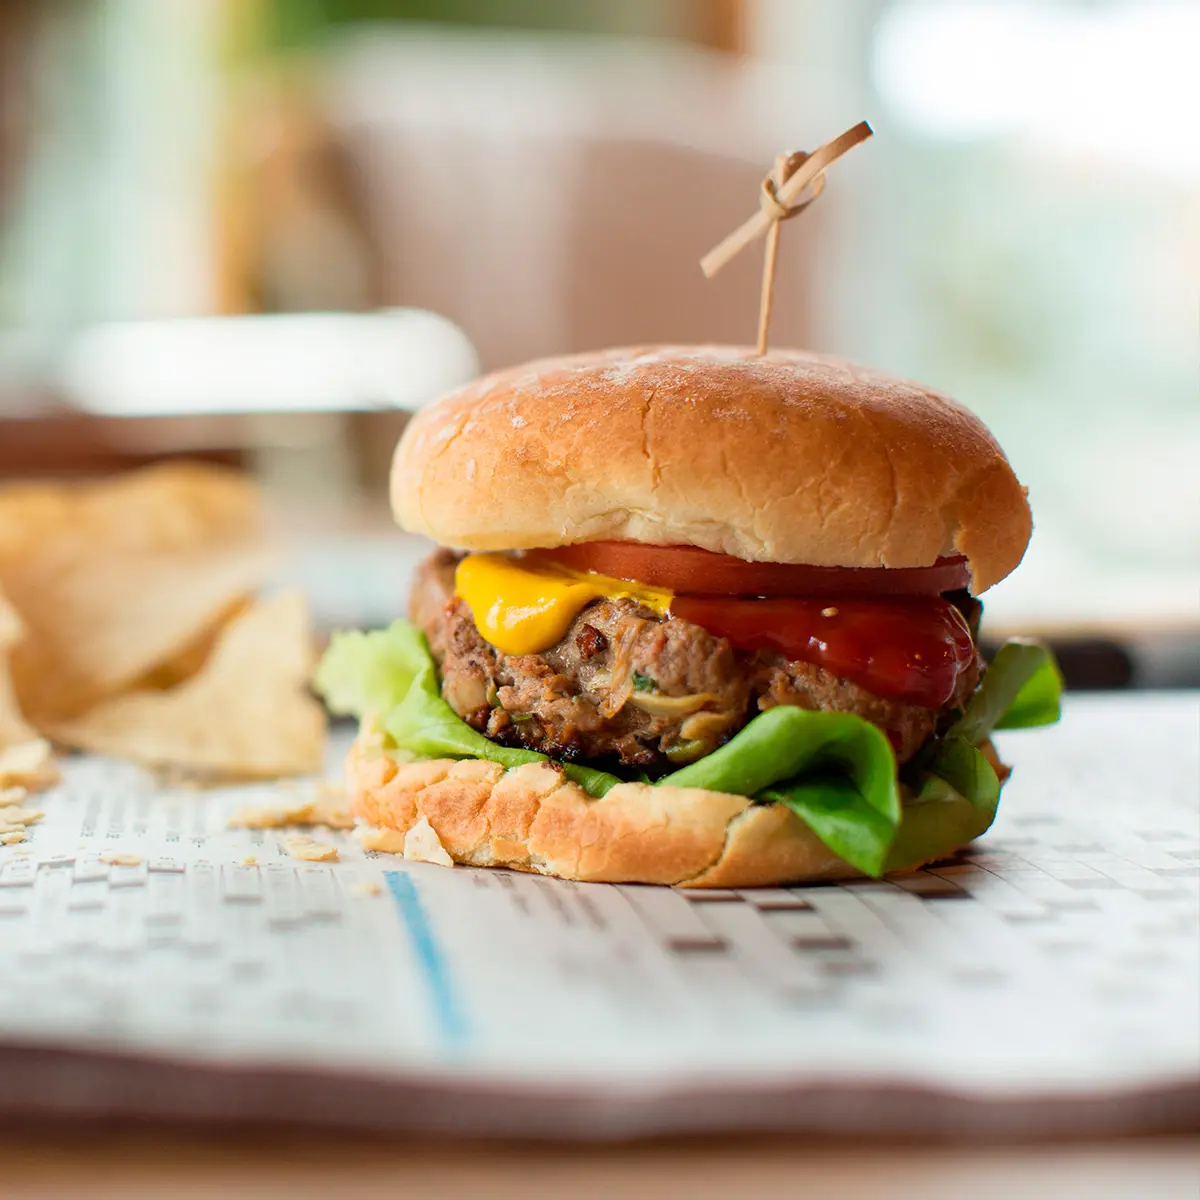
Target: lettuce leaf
x=1022, y=687
x=838, y=813
x=1039, y=701
x=933, y=829
x=785, y=743
x=835, y=771
x=963, y=768
x=369, y=673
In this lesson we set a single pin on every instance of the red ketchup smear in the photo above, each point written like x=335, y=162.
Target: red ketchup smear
x=910, y=649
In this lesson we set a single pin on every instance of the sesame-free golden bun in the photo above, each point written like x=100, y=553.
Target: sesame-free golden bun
x=532, y=818
x=788, y=457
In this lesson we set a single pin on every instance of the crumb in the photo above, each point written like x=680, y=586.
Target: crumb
x=13, y=837
x=11, y=817
x=387, y=841
x=829, y=612
x=335, y=816
x=260, y=818
x=277, y=817
x=308, y=849
x=250, y=861
x=367, y=888
x=422, y=844
x=121, y=858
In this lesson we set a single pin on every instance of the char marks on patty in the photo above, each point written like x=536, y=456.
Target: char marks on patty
x=626, y=685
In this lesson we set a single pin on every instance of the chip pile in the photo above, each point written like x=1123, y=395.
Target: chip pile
x=129, y=626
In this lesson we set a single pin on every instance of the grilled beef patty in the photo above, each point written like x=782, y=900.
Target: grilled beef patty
x=628, y=686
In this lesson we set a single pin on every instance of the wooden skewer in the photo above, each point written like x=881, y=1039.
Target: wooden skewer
x=780, y=201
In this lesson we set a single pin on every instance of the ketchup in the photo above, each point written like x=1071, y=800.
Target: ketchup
x=910, y=649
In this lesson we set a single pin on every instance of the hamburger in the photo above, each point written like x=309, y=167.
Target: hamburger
x=698, y=617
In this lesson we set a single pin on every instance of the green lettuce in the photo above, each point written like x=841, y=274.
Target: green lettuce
x=784, y=742
x=836, y=771
x=370, y=673
x=1039, y=700
x=1022, y=687
x=933, y=829
x=963, y=768
x=841, y=816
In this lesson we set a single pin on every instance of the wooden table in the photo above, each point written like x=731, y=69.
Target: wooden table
x=98, y=1164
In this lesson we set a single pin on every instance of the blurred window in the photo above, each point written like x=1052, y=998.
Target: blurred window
x=1036, y=252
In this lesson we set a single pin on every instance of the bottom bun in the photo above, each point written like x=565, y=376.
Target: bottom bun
x=533, y=818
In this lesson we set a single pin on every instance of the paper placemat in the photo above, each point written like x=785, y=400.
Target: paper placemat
x=155, y=962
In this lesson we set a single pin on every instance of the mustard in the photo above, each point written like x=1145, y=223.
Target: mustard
x=522, y=608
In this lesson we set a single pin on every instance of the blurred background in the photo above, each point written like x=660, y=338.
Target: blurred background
x=222, y=220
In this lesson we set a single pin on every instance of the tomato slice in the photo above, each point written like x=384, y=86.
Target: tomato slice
x=688, y=570
x=908, y=648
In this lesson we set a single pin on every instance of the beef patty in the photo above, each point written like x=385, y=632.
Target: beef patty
x=628, y=686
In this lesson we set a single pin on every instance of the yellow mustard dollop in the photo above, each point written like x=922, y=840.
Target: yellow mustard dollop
x=522, y=608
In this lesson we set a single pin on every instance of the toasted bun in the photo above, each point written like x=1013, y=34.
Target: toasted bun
x=790, y=457
x=532, y=818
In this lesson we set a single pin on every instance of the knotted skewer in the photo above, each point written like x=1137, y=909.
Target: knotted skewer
x=782, y=197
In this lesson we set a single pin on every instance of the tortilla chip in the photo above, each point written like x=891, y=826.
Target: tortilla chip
x=29, y=765
x=169, y=507
x=188, y=661
x=96, y=622
x=13, y=726
x=246, y=714
x=29, y=515
x=116, y=580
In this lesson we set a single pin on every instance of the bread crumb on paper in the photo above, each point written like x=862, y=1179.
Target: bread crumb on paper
x=121, y=858
x=385, y=841
x=11, y=817
x=367, y=887
x=307, y=849
x=13, y=837
x=310, y=812
x=422, y=844
x=419, y=844
x=250, y=860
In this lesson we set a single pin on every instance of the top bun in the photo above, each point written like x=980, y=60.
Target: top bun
x=790, y=457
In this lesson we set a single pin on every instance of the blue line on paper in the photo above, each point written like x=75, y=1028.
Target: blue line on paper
x=448, y=1014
